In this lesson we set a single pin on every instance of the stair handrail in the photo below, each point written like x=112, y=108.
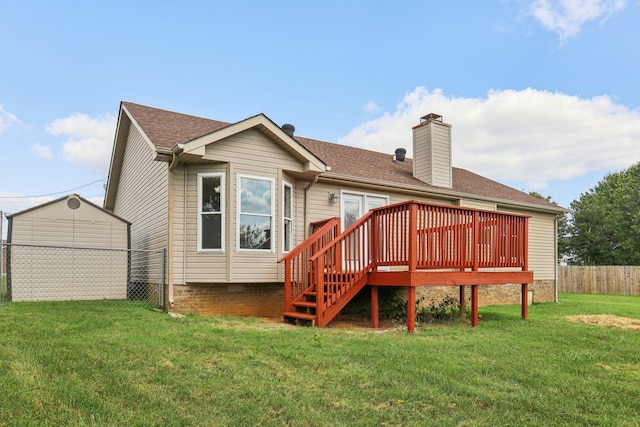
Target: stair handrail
x=332, y=274
x=301, y=254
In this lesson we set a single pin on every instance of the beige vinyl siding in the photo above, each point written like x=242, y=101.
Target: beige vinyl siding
x=432, y=154
x=57, y=225
x=203, y=267
x=254, y=153
x=59, y=272
x=477, y=204
x=441, y=155
x=248, y=153
x=319, y=206
x=179, y=213
x=422, y=154
x=542, y=245
x=300, y=230
x=142, y=194
x=401, y=197
x=69, y=233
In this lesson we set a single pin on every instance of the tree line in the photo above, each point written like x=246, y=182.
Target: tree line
x=603, y=227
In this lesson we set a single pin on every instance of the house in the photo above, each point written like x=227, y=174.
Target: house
x=228, y=200
x=66, y=249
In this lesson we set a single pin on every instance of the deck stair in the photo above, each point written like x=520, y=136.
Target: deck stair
x=319, y=281
x=304, y=309
x=407, y=244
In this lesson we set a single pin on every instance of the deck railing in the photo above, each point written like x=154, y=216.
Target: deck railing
x=297, y=268
x=340, y=265
x=414, y=235
x=447, y=237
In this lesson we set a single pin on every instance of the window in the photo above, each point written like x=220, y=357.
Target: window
x=255, y=213
x=287, y=216
x=210, y=211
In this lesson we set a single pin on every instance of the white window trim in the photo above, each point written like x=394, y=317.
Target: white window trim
x=223, y=193
x=285, y=184
x=238, y=213
x=364, y=196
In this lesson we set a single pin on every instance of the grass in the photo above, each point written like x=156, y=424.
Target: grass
x=100, y=363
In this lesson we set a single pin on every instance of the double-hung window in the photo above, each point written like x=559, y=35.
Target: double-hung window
x=211, y=192
x=255, y=213
x=287, y=216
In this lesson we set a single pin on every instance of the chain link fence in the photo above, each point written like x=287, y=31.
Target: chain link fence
x=54, y=273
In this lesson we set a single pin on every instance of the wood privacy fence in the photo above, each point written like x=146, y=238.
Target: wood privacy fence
x=604, y=279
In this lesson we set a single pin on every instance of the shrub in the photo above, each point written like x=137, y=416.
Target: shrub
x=446, y=310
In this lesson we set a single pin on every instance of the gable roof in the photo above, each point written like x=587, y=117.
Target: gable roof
x=167, y=130
x=68, y=196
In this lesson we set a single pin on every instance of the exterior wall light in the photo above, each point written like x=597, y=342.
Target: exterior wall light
x=334, y=198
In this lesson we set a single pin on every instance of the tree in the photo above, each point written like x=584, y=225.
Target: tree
x=605, y=225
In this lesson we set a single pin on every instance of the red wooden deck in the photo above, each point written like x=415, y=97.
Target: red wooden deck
x=407, y=244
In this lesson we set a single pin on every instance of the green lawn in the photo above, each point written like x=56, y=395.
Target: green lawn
x=106, y=363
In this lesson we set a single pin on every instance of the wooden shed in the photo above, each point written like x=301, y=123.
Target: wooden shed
x=67, y=249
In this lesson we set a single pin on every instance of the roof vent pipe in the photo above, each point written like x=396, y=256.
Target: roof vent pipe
x=400, y=153
x=289, y=129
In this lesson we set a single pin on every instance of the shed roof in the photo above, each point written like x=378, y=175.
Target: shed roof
x=165, y=129
x=51, y=202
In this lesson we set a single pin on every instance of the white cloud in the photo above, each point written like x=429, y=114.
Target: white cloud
x=96, y=200
x=371, y=107
x=7, y=120
x=43, y=151
x=11, y=202
x=529, y=135
x=566, y=17
x=90, y=140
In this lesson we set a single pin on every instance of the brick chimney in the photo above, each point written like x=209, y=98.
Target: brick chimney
x=432, y=151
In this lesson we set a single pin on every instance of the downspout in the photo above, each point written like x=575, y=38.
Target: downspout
x=172, y=166
x=306, y=204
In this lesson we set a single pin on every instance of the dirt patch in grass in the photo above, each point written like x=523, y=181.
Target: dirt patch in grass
x=357, y=322
x=607, y=320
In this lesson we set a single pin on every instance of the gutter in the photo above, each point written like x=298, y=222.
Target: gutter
x=446, y=194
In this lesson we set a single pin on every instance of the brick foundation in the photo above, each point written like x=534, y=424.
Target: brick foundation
x=543, y=291
x=267, y=299
x=230, y=299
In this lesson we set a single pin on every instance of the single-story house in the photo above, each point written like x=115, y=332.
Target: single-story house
x=67, y=249
x=228, y=200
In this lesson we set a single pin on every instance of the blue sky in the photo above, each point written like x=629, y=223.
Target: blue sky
x=542, y=94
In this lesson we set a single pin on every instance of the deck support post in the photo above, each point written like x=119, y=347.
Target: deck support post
x=411, y=309
x=474, y=305
x=525, y=301
x=374, y=307
x=462, y=298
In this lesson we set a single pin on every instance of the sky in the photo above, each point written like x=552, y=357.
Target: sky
x=542, y=95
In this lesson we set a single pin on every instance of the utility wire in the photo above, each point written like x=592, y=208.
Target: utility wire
x=51, y=194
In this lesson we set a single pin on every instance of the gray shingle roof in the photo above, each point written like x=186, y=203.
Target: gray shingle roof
x=166, y=129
